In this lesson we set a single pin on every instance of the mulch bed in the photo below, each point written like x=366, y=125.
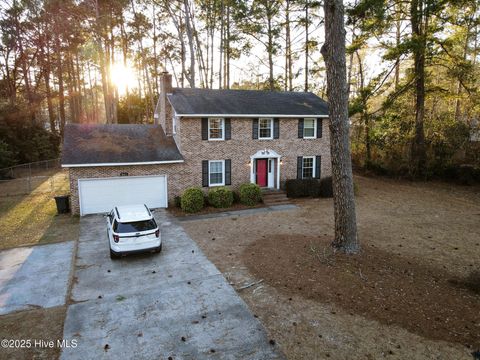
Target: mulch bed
x=375, y=284
x=175, y=211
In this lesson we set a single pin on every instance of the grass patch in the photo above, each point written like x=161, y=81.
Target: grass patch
x=33, y=219
x=44, y=324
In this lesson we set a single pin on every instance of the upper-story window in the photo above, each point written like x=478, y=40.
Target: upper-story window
x=309, y=128
x=265, y=128
x=216, y=129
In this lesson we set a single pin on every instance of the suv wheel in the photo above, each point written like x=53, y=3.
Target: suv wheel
x=158, y=249
x=114, y=255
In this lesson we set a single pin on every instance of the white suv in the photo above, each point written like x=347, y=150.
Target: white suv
x=132, y=228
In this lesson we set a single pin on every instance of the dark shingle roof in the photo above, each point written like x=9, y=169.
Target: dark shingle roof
x=246, y=102
x=119, y=143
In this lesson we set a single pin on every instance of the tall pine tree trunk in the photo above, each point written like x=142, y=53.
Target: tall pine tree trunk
x=189, y=30
x=103, y=66
x=397, y=44
x=459, y=83
x=45, y=56
x=419, y=156
x=333, y=52
x=61, y=91
x=155, y=55
x=271, y=82
x=222, y=36
x=227, y=50
x=306, y=44
x=288, y=50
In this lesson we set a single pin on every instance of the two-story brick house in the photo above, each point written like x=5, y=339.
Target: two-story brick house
x=202, y=138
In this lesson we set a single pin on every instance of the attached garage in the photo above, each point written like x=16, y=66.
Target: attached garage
x=119, y=164
x=101, y=195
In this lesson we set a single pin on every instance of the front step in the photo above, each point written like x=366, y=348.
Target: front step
x=275, y=197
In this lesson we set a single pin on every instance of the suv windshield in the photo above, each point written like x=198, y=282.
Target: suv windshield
x=135, y=226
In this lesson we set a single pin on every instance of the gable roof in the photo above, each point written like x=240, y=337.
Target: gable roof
x=246, y=103
x=117, y=144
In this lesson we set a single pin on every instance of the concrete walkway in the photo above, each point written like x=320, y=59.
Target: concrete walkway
x=175, y=304
x=34, y=276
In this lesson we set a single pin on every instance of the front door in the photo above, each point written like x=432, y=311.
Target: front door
x=262, y=172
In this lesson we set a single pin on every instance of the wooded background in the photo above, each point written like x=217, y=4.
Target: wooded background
x=413, y=69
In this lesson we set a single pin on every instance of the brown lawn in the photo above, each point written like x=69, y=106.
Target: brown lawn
x=32, y=219
x=413, y=292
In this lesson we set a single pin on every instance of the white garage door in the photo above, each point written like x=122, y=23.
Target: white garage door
x=101, y=195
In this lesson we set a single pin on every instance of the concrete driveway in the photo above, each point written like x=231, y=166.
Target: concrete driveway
x=172, y=305
x=34, y=277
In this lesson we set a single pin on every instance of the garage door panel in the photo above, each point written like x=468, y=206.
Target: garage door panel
x=101, y=195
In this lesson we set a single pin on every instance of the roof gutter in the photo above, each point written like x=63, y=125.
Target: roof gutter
x=124, y=164
x=253, y=115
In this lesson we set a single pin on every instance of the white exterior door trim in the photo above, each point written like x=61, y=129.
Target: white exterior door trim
x=270, y=155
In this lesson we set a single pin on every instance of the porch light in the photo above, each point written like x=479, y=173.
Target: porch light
x=281, y=162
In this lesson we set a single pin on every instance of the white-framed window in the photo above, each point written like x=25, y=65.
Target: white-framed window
x=308, y=167
x=216, y=172
x=309, y=128
x=216, y=129
x=265, y=128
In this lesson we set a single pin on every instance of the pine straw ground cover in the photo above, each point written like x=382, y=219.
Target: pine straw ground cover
x=375, y=284
x=412, y=293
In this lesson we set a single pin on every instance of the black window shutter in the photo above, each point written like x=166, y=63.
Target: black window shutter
x=318, y=163
x=319, y=128
x=228, y=172
x=204, y=128
x=299, y=167
x=205, y=173
x=228, y=129
x=300, y=128
x=276, y=128
x=255, y=129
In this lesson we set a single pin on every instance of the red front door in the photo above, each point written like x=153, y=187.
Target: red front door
x=262, y=172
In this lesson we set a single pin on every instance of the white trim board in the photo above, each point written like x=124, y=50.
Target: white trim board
x=253, y=115
x=124, y=164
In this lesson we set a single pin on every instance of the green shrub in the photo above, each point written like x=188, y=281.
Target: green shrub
x=460, y=174
x=250, y=194
x=236, y=197
x=302, y=188
x=326, y=187
x=177, y=200
x=192, y=200
x=220, y=197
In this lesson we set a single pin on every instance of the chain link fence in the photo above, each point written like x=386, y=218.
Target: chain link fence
x=43, y=177
x=38, y=168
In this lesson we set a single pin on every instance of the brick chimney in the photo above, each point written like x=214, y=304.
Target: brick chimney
x=164, y=111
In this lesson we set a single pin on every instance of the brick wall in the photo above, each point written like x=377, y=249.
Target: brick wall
x=239, y=149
